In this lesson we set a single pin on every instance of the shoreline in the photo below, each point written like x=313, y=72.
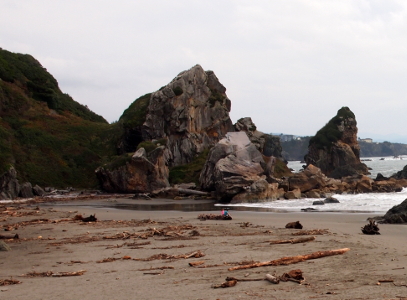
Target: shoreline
x=130, y=254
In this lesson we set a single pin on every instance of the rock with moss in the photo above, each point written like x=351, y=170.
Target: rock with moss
x=142, y=173
x=335, y=149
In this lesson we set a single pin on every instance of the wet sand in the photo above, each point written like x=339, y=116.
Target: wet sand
x=144, y=254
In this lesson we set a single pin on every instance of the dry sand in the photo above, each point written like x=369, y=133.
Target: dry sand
x=144, y=254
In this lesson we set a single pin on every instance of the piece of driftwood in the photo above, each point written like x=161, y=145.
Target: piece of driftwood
x=294, y=241
x=8, y=236
x=9, y=281
x=52, y=274
x=196, y=263
x=291, y=259
x=195, y=254
x=226, y=284
x=295, y=225
x=190, y=192
x=371, y=228
x=311, y=232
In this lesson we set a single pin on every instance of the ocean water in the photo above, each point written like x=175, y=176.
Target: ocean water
x=358, y=203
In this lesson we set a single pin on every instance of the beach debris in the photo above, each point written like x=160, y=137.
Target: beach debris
x=292, y=259
x=294, y=241
x=293, y=275
x=204, y=217
x=371, y=228
x=311, y=232
x=52, y=274
x=9, y=236
x=295, y=225
x=158, y=268
x=9, y=281
x=194, y=254
x=226, y=284
x=196, y=263
x=91, y=218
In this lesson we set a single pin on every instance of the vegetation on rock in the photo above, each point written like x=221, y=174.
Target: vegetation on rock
x=331, y=133
x=188, y=172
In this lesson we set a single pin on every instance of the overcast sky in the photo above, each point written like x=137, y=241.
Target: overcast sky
x=287, y=64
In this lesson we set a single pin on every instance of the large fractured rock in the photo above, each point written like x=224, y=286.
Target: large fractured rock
x=335, y=149
x=192, y=112
x=234, y=170
x=9, y=186
x=267, y=144
x=143, y=173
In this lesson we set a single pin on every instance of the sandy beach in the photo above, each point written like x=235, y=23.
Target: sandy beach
x=139, y=254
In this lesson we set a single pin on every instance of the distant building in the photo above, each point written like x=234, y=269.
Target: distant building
x=367, y=140
x=289, y=137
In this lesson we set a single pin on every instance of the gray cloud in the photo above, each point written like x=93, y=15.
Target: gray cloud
x=290, y=65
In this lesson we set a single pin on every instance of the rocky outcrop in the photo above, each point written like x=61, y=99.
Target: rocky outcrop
x=141, y=174
x=234, y=171
x=267, y=144
x=9, y=186
x=191, y=112
x=335, y=149
x=311, y=179
x=396, y=214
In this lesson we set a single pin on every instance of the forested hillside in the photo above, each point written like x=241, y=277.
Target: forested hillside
x=48, y=137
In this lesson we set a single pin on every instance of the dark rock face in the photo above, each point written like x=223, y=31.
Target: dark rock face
x=396, y=214
x=142, y=174
x=335, y=149
x=9, y=186
x=191, y=112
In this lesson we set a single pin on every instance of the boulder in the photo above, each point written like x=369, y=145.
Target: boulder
x=335, y=149
x=141, y=174
x=396, y=214
x=26, y=190
x=294, y=194
x=318, y=202
x=38, y=191
x=331, y=200
x=234, y=171
x=9, y=186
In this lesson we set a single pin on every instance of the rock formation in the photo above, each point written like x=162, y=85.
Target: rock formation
x=335, y=149
x=191, y=112
x=9, y=186
x=267, y=144
x=142, y=173
x=234, y=170
x=396, y=214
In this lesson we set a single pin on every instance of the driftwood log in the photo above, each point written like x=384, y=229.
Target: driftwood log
x=8, y=236
x=294, y=241
x=291, y=259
